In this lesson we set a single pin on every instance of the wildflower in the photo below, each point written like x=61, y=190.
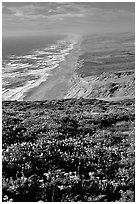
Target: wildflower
x=11, y=200
x=91, y=175
x=5, y=198
x=61, y=187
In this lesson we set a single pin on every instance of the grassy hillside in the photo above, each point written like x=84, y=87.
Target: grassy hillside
x=68, y=150
x=105, y=67
x=108, y=53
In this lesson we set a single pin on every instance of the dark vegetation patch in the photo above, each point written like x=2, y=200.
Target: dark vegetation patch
x=68, y=150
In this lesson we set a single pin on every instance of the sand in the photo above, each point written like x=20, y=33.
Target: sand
x=56, y=86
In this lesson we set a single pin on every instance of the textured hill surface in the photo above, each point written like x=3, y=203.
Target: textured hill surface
x=107, y=86
x=105, y=68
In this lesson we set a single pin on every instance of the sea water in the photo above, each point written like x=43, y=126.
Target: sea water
x=28, y=61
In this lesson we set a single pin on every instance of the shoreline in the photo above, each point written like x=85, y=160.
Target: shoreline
x=56, y=85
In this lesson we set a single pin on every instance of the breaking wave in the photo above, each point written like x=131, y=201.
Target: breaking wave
x=21, y=73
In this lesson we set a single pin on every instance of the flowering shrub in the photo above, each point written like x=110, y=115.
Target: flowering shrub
x=63, y=155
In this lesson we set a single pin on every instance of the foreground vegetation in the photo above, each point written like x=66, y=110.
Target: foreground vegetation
x=68, y=150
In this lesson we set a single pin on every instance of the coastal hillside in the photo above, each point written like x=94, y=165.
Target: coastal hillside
x=105, y=68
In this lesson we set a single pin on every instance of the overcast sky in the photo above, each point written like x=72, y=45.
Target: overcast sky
x=32, y=18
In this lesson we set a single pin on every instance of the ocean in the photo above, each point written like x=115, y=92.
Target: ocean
x=28, y=61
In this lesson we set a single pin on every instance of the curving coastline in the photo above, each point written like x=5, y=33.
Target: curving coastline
x=24, y=73
x=57, y=84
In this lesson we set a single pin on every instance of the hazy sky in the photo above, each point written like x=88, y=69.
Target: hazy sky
x=32, y=18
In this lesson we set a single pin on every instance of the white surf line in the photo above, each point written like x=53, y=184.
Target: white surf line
x=17, y=93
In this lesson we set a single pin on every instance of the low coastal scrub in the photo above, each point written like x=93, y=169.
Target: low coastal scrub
x=68, y=150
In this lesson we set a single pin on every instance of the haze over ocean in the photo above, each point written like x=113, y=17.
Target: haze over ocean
x=21, y=45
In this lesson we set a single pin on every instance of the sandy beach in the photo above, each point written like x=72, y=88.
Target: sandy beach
x=56, y=86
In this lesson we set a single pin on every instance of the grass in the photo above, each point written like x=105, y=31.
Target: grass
x=110, y=53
